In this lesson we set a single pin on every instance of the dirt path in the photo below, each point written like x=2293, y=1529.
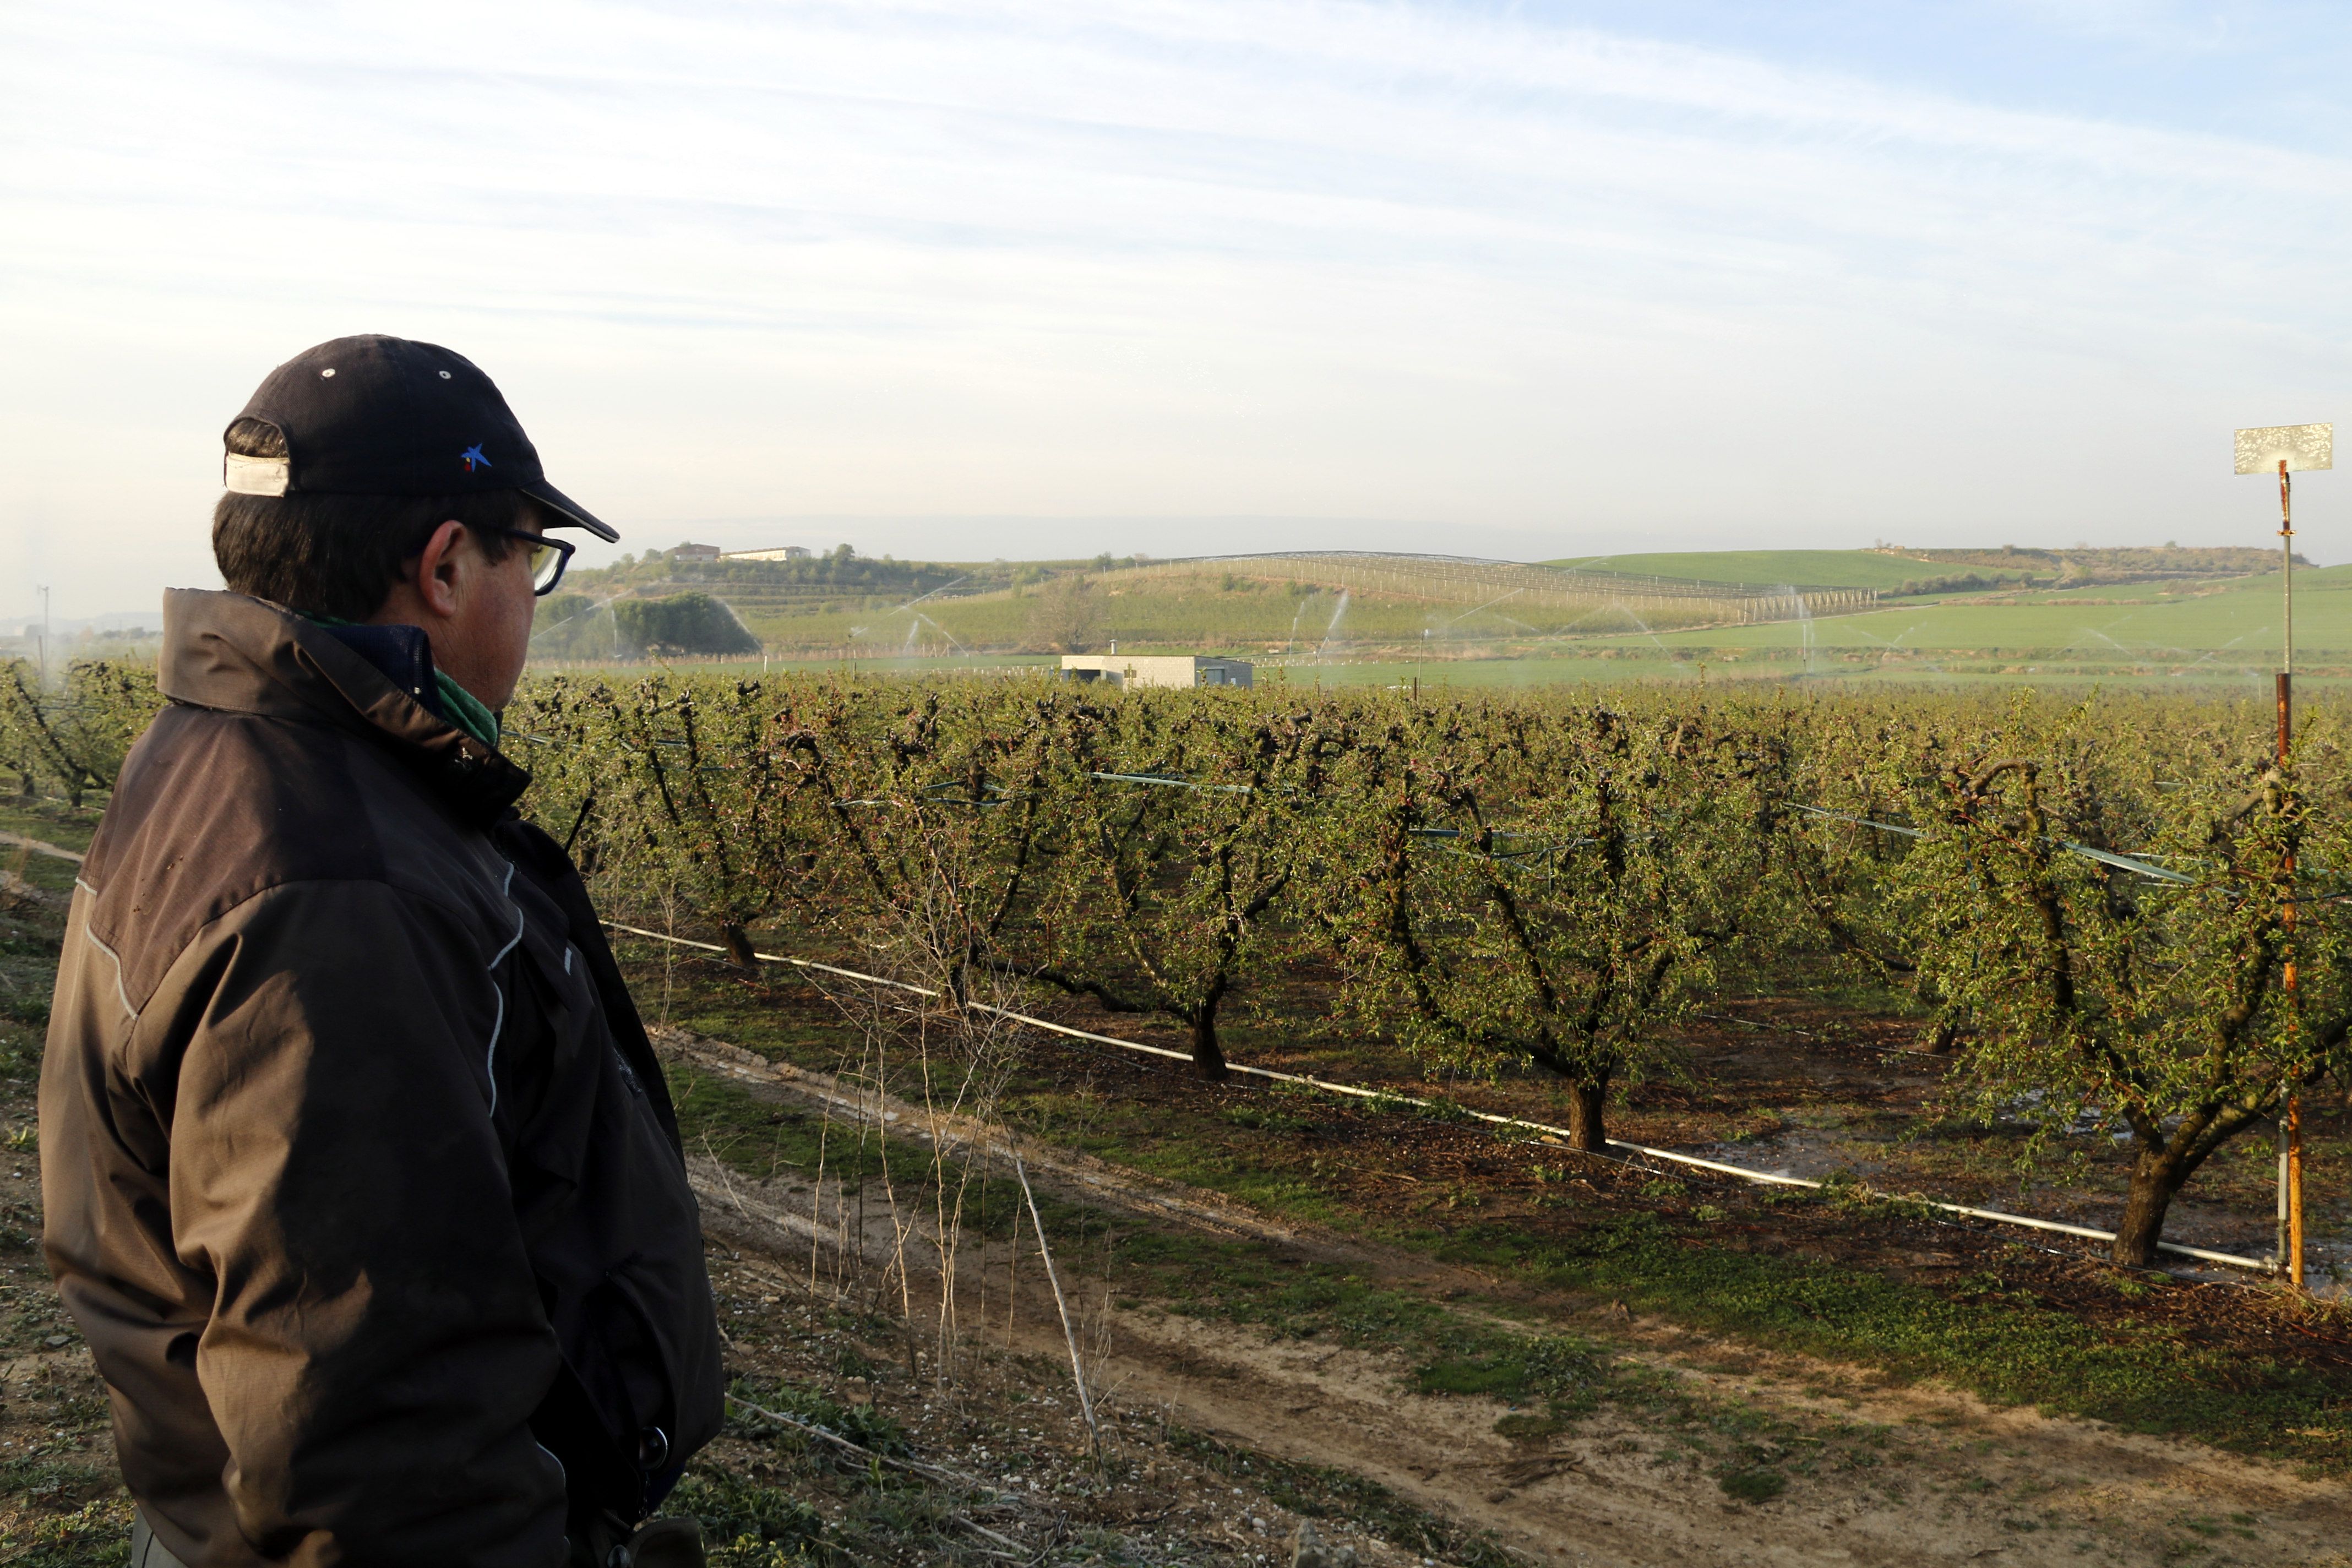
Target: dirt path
x=1920, y=1474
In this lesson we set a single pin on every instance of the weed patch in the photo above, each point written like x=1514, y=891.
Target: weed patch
x=1321, y=1493
x=1752, y=1486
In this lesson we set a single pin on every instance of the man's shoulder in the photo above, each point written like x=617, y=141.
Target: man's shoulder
x=214, y=810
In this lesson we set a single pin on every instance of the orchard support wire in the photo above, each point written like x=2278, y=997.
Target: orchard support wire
x=1357, y=1091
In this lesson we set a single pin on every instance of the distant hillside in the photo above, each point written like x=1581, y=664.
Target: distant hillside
x=839, y=599
x=1286, y=602
x=2083, y=568
x=1904, y=572
x=1324, y=604
x=1828, y=568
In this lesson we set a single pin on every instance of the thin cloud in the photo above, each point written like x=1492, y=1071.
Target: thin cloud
x=1168, y=260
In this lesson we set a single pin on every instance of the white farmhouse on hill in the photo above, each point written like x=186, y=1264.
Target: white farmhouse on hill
x=1162, y=669
x=780, y=552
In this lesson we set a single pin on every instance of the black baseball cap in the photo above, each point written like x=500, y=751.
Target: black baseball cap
x=388, y=417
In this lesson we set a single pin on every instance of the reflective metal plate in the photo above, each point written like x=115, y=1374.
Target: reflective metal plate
x=2303, y=447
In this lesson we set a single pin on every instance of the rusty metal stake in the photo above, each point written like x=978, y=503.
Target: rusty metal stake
x=2282, y=449
x=2292, y=1256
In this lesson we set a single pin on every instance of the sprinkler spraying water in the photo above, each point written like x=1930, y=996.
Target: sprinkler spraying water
x=1329, y=631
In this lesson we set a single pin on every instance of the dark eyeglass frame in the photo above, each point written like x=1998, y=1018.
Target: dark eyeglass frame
x=563, y=549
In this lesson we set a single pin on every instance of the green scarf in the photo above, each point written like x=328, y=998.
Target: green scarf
x=464, y=710
x=467, y=711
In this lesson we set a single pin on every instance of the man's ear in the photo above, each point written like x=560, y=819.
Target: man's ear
x=435, y=573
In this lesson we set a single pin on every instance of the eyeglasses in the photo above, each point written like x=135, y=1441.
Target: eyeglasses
x=549, y=557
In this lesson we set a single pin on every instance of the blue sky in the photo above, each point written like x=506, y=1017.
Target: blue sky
x=1004, y=277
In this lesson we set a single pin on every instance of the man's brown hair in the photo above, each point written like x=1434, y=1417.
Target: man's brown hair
x=333, y=555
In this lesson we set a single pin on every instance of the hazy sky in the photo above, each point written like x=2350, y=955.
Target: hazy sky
x=997, y=278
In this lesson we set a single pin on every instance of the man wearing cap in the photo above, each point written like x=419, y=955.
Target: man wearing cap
x=362, y=1179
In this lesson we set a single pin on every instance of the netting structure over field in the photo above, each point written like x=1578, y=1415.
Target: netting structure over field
x=1657, y=602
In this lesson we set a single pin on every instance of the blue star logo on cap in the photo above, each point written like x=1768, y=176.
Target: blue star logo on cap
x=473, y=455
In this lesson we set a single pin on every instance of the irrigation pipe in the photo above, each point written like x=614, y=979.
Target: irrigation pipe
x=1357, y=1091
x=19, y=841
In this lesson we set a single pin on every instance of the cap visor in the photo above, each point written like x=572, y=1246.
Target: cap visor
x=571, y=512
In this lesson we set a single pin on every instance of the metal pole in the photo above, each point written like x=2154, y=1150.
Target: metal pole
x=2279, y=1249
x=2295, y=1189
x=2291, y=1140
x=2286, y=573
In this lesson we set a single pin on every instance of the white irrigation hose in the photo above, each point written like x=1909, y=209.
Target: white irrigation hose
x=17, y=840
x=1762, y=1177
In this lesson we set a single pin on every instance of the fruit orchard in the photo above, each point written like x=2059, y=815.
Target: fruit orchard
x=2093, y=906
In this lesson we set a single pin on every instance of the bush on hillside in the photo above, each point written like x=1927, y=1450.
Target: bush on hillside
x=572, y=626
x=683, y=623
x=1066, y=618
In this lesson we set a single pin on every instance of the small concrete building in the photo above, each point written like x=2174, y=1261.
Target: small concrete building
x=1157, y=669
x=695, y=553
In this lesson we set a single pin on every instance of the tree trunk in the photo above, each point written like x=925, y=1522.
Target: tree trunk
x=1587, y=1103
x=738, y=947
x=1943, y=1038
x=1208, y=1059
x=2156, y=1177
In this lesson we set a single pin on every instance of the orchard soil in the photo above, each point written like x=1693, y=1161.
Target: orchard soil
x=1289, y=1347
x=1423, y=1341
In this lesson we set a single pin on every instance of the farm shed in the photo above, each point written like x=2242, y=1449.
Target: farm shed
x=1162, y=669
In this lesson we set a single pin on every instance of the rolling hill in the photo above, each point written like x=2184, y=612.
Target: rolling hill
x=2165, y=613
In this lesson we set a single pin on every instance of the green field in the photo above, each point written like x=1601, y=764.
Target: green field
x=2202, y=617
x=2227, y=623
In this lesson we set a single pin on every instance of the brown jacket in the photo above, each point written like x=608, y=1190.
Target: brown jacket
x=360, y=1178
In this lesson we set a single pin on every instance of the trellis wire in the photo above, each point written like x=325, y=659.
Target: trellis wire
x=1356, y=1092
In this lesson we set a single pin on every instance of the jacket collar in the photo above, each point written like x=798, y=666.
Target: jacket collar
x=238, y=654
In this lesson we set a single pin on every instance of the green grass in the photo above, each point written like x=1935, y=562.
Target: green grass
x=2237, y=624
x=2210, y=634
x=1997, y=1339
x=2001, y=1343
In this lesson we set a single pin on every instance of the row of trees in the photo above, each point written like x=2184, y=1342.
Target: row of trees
x=72, y=739
x=2121, y=913
x=2099, y=905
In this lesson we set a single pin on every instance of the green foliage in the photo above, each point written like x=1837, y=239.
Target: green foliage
x=1543, y=882
x=681, y=624
x=859, y=1424
x=747, y=1525
x=835, y=573
x=1166, y=889
x=2002, y=1341
x=2152, y=994
x=1752, y=1485
x=1562, y=1372
x=1513, y=884
x=691, y=790
x=95, y=1535
x=75, y=738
